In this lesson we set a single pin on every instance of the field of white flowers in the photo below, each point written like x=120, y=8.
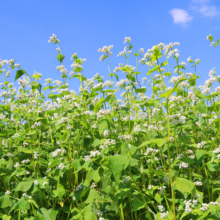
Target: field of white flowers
x=88, y=155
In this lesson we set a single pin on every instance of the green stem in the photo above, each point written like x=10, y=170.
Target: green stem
x=116, y=202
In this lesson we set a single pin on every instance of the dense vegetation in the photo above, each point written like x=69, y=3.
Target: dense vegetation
x=90, y=155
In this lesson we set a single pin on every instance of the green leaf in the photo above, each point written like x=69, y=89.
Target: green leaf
x=212, y=166
x=196, y=63
x=156, y=54
x=6, y=217
x=108, y=98
x=88, y=213
x=36, y=85
x=47, y=214
x=60, y=57
x=99, y=104
x=117, y=164
x=34, y=203
x=93, y=196
x=31, y=132
x=217, y=43
x=140, y=90
x=25, y=150
x=201, y=214
x=59, y=192
x=10, y=165
x=202, y=108
x=158, y=198
x=137, y=205
x=77, y=216
x=106, y=179
x=103, y=125
x=96, y=175
x=76, y=164
x=159, y=141
x=210, y=38
x=113, y=74
x=54, y=163
x=155, y=103
x=167, y=74
x=5, y=201
x=199, y=155
x=153, y=69
x=180, y=67
x=98, y=142
x=164, y=63
x=19, y=74
x=24, y=186
x=22, y=204
x=187, y=160
x=170, y=91
x=184, y=185
x=130, y=77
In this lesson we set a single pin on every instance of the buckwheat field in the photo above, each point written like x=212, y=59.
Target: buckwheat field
x=110, y=151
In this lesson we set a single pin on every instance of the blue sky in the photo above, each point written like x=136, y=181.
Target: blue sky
x=84, y=26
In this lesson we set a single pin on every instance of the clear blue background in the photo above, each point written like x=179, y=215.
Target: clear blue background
x=85, y=26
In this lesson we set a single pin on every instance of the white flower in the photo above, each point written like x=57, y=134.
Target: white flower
x=160, y=207
x=150, y=187
x=36, y=182
x=106, y=133
x=183, y=165
x=204, y=206
x=208, y=37
x=61, y=166
x=53, y=39
x=197, y=196
x=44, y=183
x=137, y=128
x=93, y=186
x=35, y=155
x=127, y=39
x=189, y=59
x=142, y=50
x=7, y=192
x=200, y=145
x=24, y=194
x=58, y=50
x=78, y=188
x=126, y=179
x=16, y=165
x=198, y=183
x=164, y=214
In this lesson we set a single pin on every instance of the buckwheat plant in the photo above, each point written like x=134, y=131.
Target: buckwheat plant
x=122, y=148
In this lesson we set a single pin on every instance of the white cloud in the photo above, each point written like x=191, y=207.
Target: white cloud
x=180, y=16
x=200, y=1
x=203, y=7
x=209, y=11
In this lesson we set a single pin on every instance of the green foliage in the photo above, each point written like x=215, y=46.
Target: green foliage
x=5, y=202
x=19, y=74
x=89, y=155
x=117, y=164
x=21, y=205
x=60, y=57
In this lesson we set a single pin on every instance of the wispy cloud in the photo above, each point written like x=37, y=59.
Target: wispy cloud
x=180, y=16
x=203, y=7
x=200, y=1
